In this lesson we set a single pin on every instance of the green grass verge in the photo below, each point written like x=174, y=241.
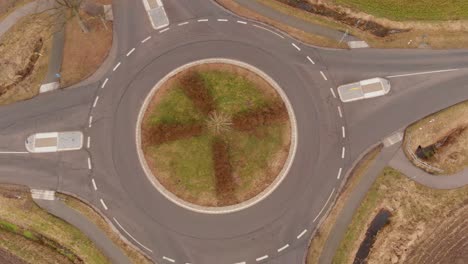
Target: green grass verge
x=411, y=10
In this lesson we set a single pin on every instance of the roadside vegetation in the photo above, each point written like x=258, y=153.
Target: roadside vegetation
x=440, y=140
x=426, y=226
x=35, y=236
x=8, y=6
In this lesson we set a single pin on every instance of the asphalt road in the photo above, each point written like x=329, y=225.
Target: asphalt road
x=277, y=229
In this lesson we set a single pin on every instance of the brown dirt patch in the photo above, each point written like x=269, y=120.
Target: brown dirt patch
x=194, y=88
x=163, y=133
x=225, y=185
x=8, y=258
x=268, y=115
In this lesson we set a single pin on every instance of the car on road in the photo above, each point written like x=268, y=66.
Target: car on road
x=54, y=141
x=364, y=89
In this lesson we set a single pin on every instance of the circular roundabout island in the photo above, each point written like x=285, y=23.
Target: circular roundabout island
x=216, y=136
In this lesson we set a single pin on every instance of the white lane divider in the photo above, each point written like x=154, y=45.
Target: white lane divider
x=103, y=204
x=90, y=121
x=333, y=92
x=146, y=39
x=202, y=20
x=261, y=258
x=283, y=248
x=271, y=31
x=89, y=163
x=94, y=184
x=243, y=262
x=311, y=61
x=88, y=144
x=130, y=52
x=222, y=20
x=164, y=30
x=339, y=173
x=116, y=66
x=182, y=24
x=325, y=205
x=420, y=73
x=295, y=46
x=168, y=259
x=339, y=112
x=104, y=83
x=343, y=150
x=95, y=101
x=301, y=234
x=343, y=131
x=134, y=239
x=323, y=75
x=241, y=22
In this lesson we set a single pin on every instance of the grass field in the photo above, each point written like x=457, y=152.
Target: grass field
x=411, y=10
x=417, y=211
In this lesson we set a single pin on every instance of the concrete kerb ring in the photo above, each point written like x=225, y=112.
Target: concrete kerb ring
x=225, y=209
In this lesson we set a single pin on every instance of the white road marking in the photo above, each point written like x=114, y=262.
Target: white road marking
x=339, y=112
x=311, y=61
x=222, y=20
x=94, y=184
x=88, y=144
x=271, y=31
x=14, y=152
x=343, y=152
x=96, y=101
x=261, y=258
x=104, y=204
x=325, y=205
x=283, y=248
x=295, y=46
x=183, y=23
x=333, y=92
x=339, y=173
x=89, y=163
x=343, y=131
x=243, y=262
x=104, y=83
x=420, y=73
x=130, y=52
x=323, y=75
x=168, y=259
x=241, y=22
x=146, y=39
x=116, y=66
x=126, y=232
x=301, y=234
x=90, y=121
x=202, y=20
x=164, y=30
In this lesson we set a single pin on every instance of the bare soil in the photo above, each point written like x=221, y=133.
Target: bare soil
x=194, y=87
x=163, y=133
x=225, y=185
x=268, y=115
x=8, y=258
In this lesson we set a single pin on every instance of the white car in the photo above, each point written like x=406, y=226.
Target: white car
x=54, y=141
x=364, y=89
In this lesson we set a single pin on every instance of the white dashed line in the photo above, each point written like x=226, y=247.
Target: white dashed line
x=130, y=52
x=333, y=92
x=343, y=131
x=94, y=184
x=323, y=75
x=222, y=20
x=339, y=112
x=88, y=144
x=146, y=39
x=301, y=234
x=89, y=163
x=164, y=30
x=283, y=248
x=261, y=258
x=271, y=31
x=116, y=66
x=325, y=205
x=202, y=20
x=104, y=83
x=182, y=24
x=104, y=204
x=295, y=46
x=343, y=152
x=339, y=173
x=90, y=121
x=241, y=22
x=95, y=101
x=311, y=61
x=126, y=232
x=168, y=259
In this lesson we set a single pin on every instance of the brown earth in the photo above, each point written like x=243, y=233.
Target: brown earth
x=225, y=185
x=8, y=258
x=162, y=133
x=268, y=115
x=194, y=87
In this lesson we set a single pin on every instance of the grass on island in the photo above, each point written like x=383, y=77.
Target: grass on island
x=21, y=220
x=421, y=220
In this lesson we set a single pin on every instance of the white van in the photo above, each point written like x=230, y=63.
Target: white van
x=364, y=89
x=54, y=141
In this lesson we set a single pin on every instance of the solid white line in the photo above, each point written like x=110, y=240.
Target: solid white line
x=343, y=131
x=96, y=101
x=261, y=258
x=325, y=205
x=14, y=152
x=301, y=234
x=90, y=121
x=130, y=52
x=339, y=173
x=146, y=39
x=202, y=20
x=241, y=22
x=183, y=23
x=168, y=259
x=88, y=145
x=420, y=73
x=295, y=46
x=323, y=75
x=333, y=92
x=311, y=61
x=283, y=248
x=104, y=204
x=104, y=83
x=222, y=20
x=343, y=152
x=271, y=31
x=116, y=66
x=121, y=227
x=243, y=262
x=339, y=111
x=89, y=163
x=94, y=184
x=164, y=30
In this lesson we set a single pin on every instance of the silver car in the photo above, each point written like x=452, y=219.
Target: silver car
x=364, y=89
